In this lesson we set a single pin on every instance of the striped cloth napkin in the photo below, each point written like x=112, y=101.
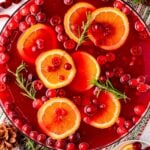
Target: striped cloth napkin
x=142, y=130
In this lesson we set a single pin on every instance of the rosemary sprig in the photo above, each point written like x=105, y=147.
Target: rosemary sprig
x=85, y=26
x=110, y=88
x=138, y=1
x=24, y=83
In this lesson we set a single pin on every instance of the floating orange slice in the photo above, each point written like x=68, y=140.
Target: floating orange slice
x=36, y=39
x=113, y=28
x=87, y=70
x=128, y=147
x=59, y=118
x=74, y=18
x=55, y=68
x=107, y=116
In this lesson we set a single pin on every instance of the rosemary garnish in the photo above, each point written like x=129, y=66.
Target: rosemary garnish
x=24, y=83
x=138, y=1
x=85, y=26
x=107, y=86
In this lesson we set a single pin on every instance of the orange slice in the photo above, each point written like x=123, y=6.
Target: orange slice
x=51, y=67
x=107, y=116
x=113, y=28
x=87, y=70
x=59, y=117
x=75, y=17
x=128, y=147
x=36, y=39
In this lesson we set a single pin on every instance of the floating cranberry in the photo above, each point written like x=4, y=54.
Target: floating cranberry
x=90, y=110
x=26, y=129
x=139, y=26
x=109, y=74
x=121, y=130
x=77, y=99
x=102, y=79
x=5, y=78
x=101, y=60
x=68, y=2
x=17, y=17
x=126, y=10
x=25, y=11
x=31, y=20
x=41, y=17
x=50, y=142
x=3, y=40
x=7, y=33
x=142, y=87
x=139, y=110
x=6, y=4
x=137, y=146
x=2, y=49
x=95, y=101
x=118, y=71
x=44, y=98
x=120, y=121
x=135, y=119
x=125, y=78
x=59, y=28
x=23, y=26
x=136, y=50
x=60, y=144
x=128, y=124
x=118, y=4
x=83, y=146
x=39, y=2
x=110, y=57
x=34, y=9
x=37, y=85
x=69, y=44
x=50, y=93
x=13, y=25
x=41, y=138
x=55, y=20
x=56, y=61
x=67, y=66
x=147, y=148
x=37, y=103
x=4, y=57
x=71, y=146
x=33, y=135
x=62, y=37
x=133, y=82
x=141, y=79
x=61, y=93
x=18, y=123
x=74, y=138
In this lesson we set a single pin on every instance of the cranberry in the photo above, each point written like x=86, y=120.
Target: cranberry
x=26, y=129
x=83, y=146
x=55, y=20
x=74, y=138
x=50, y=93
x=95, y=101
x=90, y=109
x=120, y=121
x=139, y=26
x=141, y=79
x=37, y=85
x=2, y=86
x=40, y=43
x=126, y=10
x=34, y=8
x=41, y=17
x=13, y=25
x=37, y=103
x=110, y=57
x=77, y=99
x=4, y=57
x=7, y=33
x=109, y=74
x=59, y=28
x=33, y=135
x=118, y=71
x=68, y=2
x=41, y=138
x=17, y=17
x=6, y=4
x=102, y=79
x=101, y=60
x=39, y=2
x=133, y=82
x=118, y=4
x=67, y=66
x=18, y=123
x=5, y=78
x=56, y=61
x=61, y=93
x=3, y=40
x=71, y=146
x=69, y=44
x=50, y=142
x=62, y=37
x=23, y=26
x=128, y=124
x=44, y=98
x=147, y=148
x=142, y=87
x=137, y=146
x=31, y=20
x=125, y=78
x=25, y=11
x=121, y=130
x=135, y=119
x=139, y=110
x=136, y=50
x=60, y=144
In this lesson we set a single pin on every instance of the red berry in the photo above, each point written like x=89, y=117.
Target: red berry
x=128, y=124
x=4, y=77
x=74, y=138
x=6, y=4
x=135, y=119
x=25, y=11
x=69, y=44
x=55, y=20
x=67, y=66
x=39, y=2
x=34, y=9
x=125, y=78
x=60, y=144
x=3, y=40
x=126, y=10
x=23, y=26
x=7, y=33
x=37, y=103
x=133, y=82
x=44, y=98
x=137, y=146
x=41, y=17
x=4, y=57
x=141, y=79
x=37, y=85
x=2, y=49
x=110, y=57
x=118, y=4
x=71, y=146
x=41, y=138
x=102, y=78
x=109, y=74
x=51, y=93
x=118, y=71
x=142, y=87
x=68, y=2
x=26, y=129
x=101, y=60
x=120, y=121
x=61, y=93
x=121, y=130
x=62, y=37
x=136, y=50
x=59, y=28
x=31, y=20
x=139, y=26
x=56, y=61
x=40, y=43
x=139, y=110
x=147, y=148
x=50, y=142
x=33, y=135
x=83, y=146
x=13, y=25
x=90, y=110
x=18, y=123
x=17, y=17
